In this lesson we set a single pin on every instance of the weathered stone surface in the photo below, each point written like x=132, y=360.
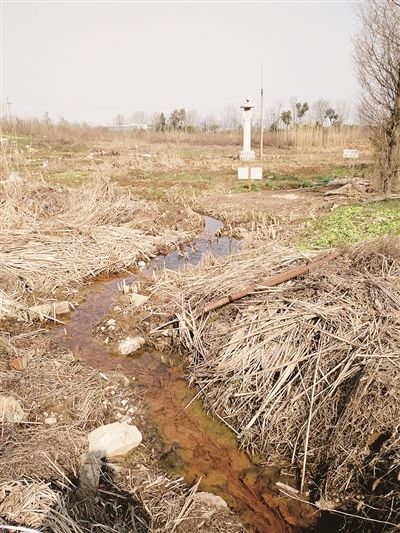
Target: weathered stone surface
x=18, y=363
x=89, y=474
x=138, y=299
x=130, y=345
x=48, y=310
x=114, y=439
x=10, y=409
x=14, y=177
x=210, y=500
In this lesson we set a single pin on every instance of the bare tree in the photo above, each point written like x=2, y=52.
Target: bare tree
x=139, y=117
x=377, y=53
x=210, y=124
x=119, y=120
x=230, y=118
x=343, y=111
x=192, y=119
x=319, y=109
x=158, y=122
x=273, y=116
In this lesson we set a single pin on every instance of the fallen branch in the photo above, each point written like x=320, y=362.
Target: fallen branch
x=272, y=281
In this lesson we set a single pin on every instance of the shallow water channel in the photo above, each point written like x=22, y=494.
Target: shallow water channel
x=202, y=446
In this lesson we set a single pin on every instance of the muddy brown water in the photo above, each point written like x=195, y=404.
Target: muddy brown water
x=202, y=447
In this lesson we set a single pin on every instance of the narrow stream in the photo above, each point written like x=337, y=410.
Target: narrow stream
x=202, y=446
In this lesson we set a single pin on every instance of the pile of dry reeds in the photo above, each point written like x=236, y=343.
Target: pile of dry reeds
x=149, y=503
x=307, y=372
x=53, y=238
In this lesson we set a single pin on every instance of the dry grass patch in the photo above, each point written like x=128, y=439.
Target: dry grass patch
x=54, y=238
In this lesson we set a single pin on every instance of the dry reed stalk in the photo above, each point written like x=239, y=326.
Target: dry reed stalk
x=304, y=136
x=54, y=238
x=290, y=367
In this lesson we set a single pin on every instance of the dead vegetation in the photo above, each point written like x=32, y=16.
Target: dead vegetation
x=52, y=238
x=305, y=373
x=40, y=455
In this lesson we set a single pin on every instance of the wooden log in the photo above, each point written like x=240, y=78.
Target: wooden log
x=277, y=279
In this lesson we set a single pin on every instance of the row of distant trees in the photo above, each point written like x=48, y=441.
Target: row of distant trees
x=319, y=113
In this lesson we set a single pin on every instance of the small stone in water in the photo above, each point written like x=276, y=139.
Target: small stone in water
x=130, y=345
x=138, y=299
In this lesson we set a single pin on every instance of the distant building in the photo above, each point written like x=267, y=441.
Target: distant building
x=125, y=127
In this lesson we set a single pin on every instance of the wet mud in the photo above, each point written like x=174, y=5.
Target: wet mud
x=196, y=445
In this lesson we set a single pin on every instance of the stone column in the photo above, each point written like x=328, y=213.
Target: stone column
x=247, y=153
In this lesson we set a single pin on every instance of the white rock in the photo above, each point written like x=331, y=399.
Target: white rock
x=141, y=263
x=114, y=439
x=210, y=500
x=49, y=310
x=10, y=409
x=14, y=177
x=111, y=322
x=50, y=421
x=138, y=299
x=130, y=345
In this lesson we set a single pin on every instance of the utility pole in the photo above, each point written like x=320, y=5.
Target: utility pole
x=8, y=103
x=262, y=113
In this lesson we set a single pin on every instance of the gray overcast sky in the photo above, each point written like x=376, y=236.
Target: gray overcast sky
x=89, y=61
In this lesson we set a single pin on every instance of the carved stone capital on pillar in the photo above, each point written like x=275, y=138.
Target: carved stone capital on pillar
x=247, y=155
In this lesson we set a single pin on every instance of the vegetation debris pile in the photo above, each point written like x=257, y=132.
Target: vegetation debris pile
x=306, y=373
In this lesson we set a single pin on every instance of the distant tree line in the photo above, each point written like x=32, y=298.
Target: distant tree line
x=318, y=114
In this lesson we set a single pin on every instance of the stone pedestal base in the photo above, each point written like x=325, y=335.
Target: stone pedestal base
x=247, y=156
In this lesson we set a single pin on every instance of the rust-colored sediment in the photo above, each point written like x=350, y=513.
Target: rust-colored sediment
x=203, y=447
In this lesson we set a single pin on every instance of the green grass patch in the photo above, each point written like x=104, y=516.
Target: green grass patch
x=71, y=178
x=246, y=186
x=353, y=223
x=316, y=178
